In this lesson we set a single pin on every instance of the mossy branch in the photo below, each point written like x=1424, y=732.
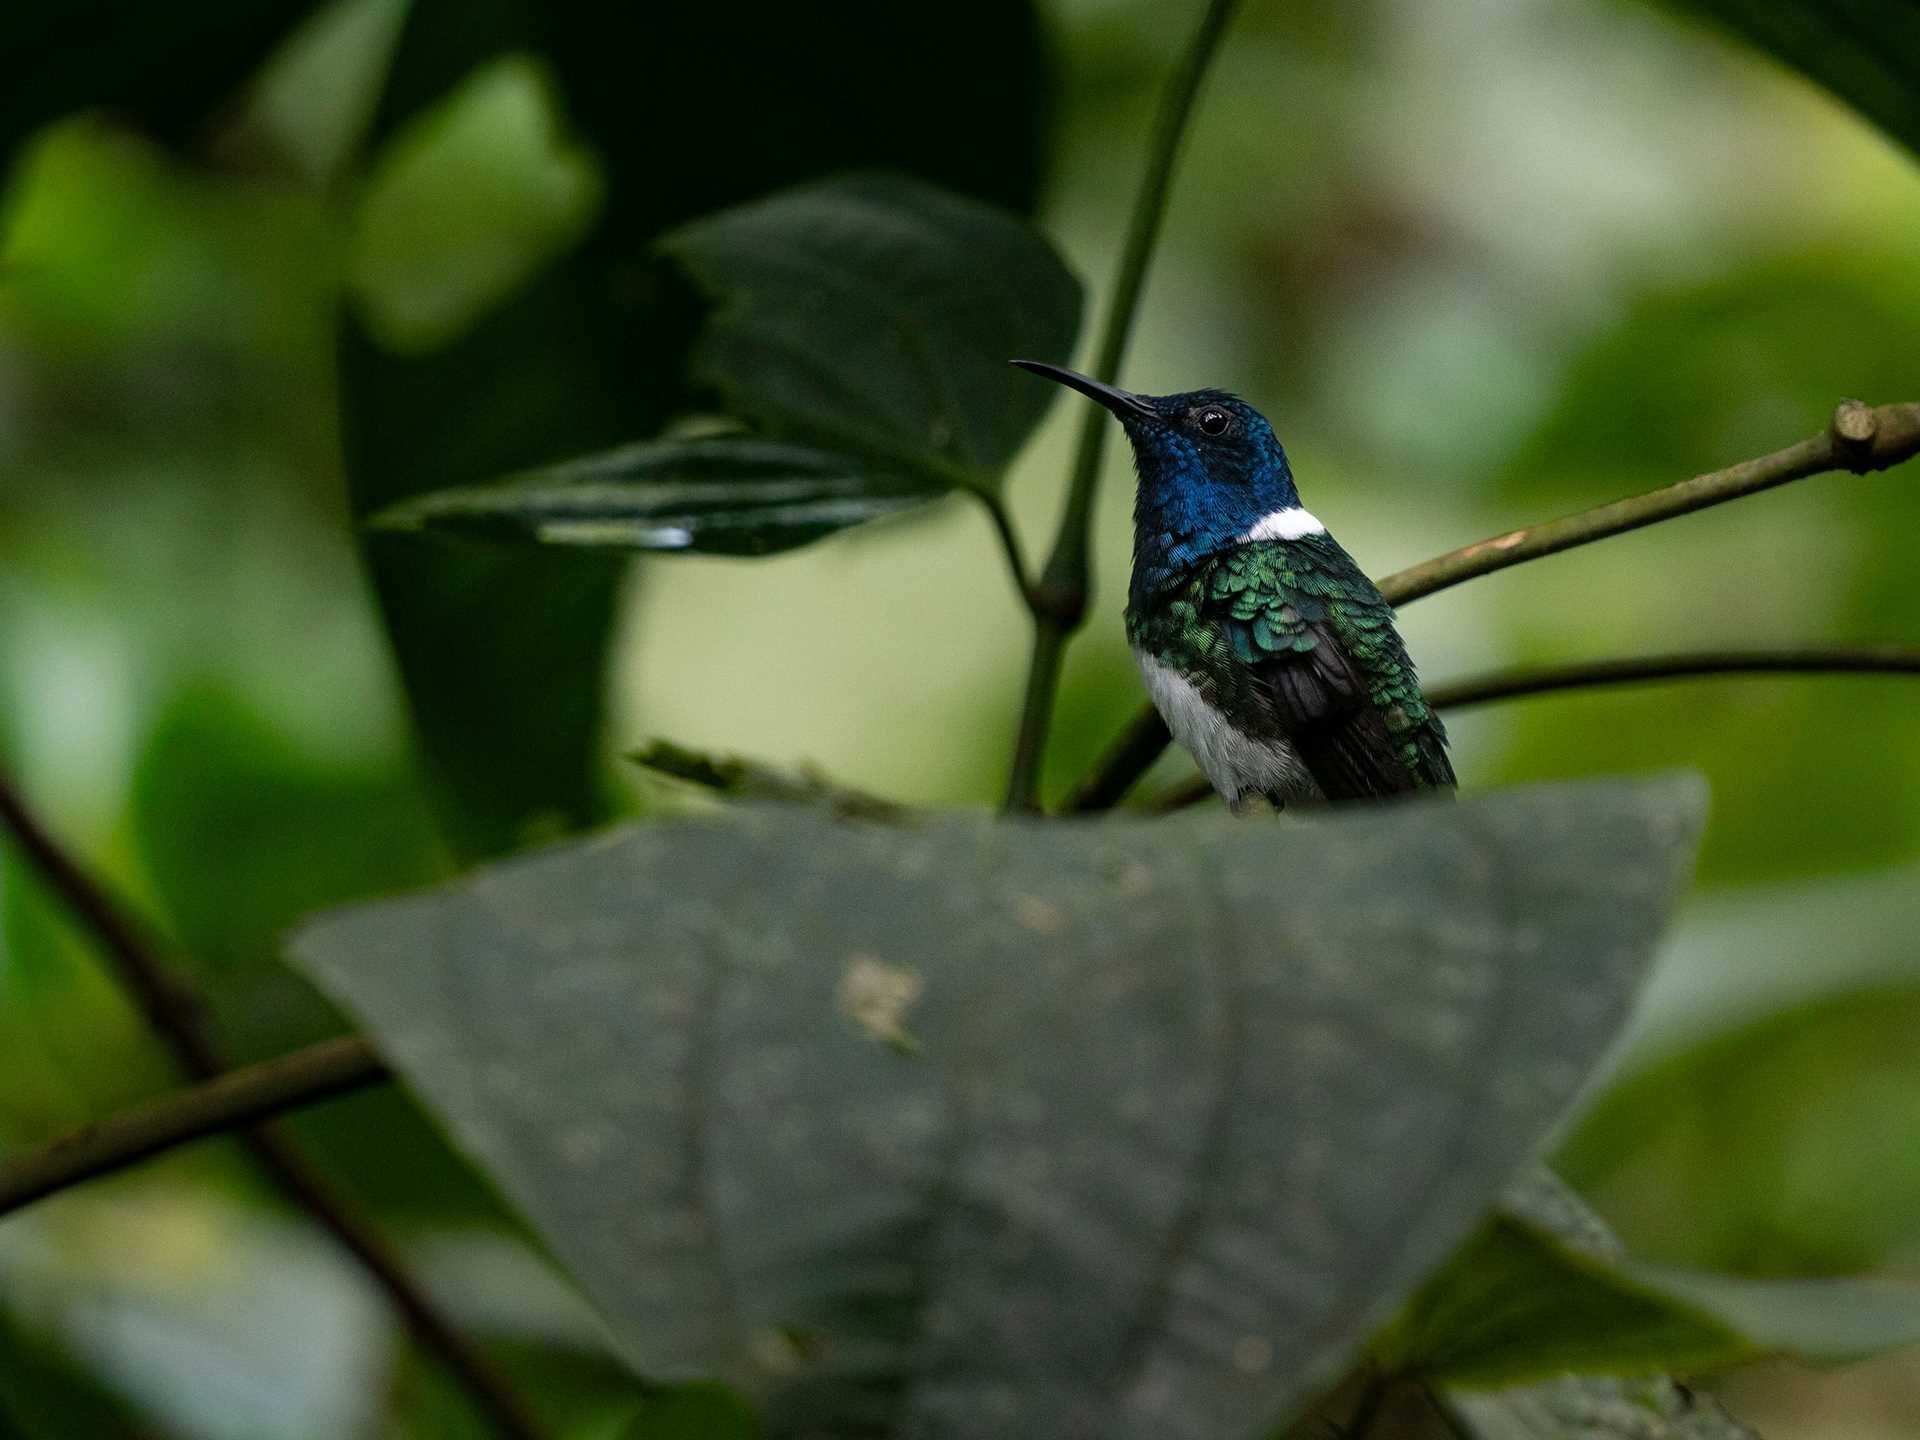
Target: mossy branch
x=1859, y=439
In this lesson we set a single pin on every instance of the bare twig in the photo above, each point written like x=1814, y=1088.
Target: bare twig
x=1059, y=600
x=235, y=1099
x=1859, y=438
x=1633, y=670
x=178, y=1018
x=1688, y=665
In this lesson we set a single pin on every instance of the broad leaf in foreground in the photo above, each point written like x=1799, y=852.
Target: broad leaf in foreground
x=724, y=494
x=965, y=1128
x=875, y=314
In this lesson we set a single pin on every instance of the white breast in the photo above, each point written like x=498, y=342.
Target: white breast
x=1237, y=763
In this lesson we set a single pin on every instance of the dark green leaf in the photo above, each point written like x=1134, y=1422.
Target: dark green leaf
x=1545, y=1287
x=1783, y=1140
x=971, y=1128
x=687, y=107
x=722, y=494
x=162, y=66
x=1518, y=1305
x=1865, y=51
x=876, y=314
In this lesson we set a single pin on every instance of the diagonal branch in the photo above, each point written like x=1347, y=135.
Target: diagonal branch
x=1637, y=670
x=1059, y=600
x=178, y=1017
x=1859, y=439
x=228, y=1102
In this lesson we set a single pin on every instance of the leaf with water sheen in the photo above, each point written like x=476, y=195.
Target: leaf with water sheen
x=723, y=494
x=687, y=107
x=876, y=314
x=961, y=1127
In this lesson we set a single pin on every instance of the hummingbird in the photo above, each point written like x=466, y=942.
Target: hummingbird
x=1267, y=650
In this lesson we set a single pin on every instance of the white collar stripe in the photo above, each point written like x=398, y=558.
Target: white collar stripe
x=1288, y=524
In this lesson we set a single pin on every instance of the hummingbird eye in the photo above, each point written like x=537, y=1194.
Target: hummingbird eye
x=1214, y=421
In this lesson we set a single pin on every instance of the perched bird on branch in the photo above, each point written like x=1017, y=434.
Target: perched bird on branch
x=1268, y=651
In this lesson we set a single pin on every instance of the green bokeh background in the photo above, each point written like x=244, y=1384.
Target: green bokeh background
x=1481, y=263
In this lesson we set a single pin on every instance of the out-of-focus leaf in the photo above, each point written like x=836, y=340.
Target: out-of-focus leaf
x=45, y=1396
x=721, y=494
x=1519, y=1305
x=1786, y=1141
x=973, y=1128
x=215, y=1323
x=1590, y=1407
x=1821, y=777
x=876, y=314
x=694, y=1411
x=466, y=204
x=164, y=67
x=243, y=831
x=1865, y=51
x=687, y=107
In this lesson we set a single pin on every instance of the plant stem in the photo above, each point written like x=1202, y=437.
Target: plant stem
x=1059, y=600
x=996, y=509
x=1638, y=669
x=177, y=1016
x=238, y=1098
x=1858, y=439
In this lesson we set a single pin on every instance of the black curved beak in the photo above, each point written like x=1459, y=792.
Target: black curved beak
x=1121, y=402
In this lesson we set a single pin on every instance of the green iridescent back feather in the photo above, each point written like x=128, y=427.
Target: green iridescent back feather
x=1227, y=620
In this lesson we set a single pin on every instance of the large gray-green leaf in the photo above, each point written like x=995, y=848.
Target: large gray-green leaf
x=724, y=494
x=1866, y=51
x=1520, y=1304
x=964, y=1128
x=876, y=314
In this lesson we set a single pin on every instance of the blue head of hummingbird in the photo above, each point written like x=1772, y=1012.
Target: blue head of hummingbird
x=1267, y=650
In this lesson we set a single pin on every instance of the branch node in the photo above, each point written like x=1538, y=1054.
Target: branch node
x=1064, y=604
x=1854, y=426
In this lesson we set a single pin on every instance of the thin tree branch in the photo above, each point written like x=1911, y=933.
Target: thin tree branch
x=1687, y=665
x=1634, y=670
x=1059, y=600
x=1859, y=439
x=178, y=1018
x=235, y=1099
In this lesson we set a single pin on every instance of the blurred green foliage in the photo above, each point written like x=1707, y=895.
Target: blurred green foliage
x=1482, y=264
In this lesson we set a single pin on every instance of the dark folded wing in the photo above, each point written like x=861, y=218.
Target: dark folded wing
x=1324, y=664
